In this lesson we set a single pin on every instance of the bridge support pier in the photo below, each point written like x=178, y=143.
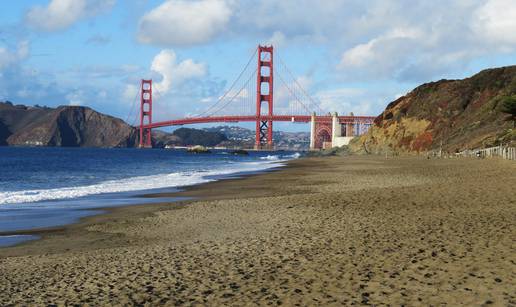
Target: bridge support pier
x=338, y=139
x=312, y=131
x=350, y=128
x=145, y=114
x=336, y=130
x=328, y=133
x=264, y=94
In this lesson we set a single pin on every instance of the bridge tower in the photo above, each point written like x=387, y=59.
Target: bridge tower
x=145, y=114
x=264, y=94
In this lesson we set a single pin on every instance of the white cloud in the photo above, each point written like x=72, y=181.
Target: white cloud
x=179, y=22
x=8, y=57
x=344, y=101
x=60, y=14
x=496, y=21
x=303, y=20
x=374, y=50
x=174, y=73
x=369, y=100
x=385, y=56
x=277, y=39
x=359, y=55
x=406, y=40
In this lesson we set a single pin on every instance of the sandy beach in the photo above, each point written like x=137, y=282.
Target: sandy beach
x=322, y=231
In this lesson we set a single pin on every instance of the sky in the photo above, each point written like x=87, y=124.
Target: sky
x=350, y=55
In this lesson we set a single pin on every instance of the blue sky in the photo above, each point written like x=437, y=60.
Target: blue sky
x=352, y=56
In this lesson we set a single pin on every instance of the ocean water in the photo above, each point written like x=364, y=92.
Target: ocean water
x=45, y=187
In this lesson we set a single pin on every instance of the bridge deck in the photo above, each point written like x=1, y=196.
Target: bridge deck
x=253, y=118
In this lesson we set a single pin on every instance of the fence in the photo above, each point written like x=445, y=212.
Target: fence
x=505, y=152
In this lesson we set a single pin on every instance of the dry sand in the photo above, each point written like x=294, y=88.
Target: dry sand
x=323, y=231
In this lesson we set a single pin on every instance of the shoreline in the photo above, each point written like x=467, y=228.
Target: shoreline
x=325, y=231
x=194, y=193
x=139, y=200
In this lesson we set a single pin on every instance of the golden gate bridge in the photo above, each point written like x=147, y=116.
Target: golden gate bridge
x=246, y=101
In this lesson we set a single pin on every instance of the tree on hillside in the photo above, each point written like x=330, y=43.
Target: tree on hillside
x=191, y=136
x=509, y=107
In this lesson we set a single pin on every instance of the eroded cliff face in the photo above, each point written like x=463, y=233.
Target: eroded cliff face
x=454, y=114
x=69, y=126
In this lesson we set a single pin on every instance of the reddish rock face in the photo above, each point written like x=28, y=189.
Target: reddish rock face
x=423, y=142
x=458, y=114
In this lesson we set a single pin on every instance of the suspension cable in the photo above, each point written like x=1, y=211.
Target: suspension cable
x=230, y=88
x=293, y=94
x=315, y=104
x=237, y=93
x=132, y=107
x=155, y=86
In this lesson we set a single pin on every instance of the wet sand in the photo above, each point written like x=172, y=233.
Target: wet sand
x=322, y=231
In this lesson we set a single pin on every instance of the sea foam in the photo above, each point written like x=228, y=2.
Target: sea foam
x=140, y=183
x=284, y=157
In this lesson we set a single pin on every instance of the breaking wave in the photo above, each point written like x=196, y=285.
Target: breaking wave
x=178, y=179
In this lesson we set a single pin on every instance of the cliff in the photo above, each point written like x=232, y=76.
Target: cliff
x=70, y=126
x=454, y=114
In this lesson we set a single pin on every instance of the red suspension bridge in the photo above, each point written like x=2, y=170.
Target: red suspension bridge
x=245, y=101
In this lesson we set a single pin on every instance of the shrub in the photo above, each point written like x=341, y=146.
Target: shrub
x=508, y=106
